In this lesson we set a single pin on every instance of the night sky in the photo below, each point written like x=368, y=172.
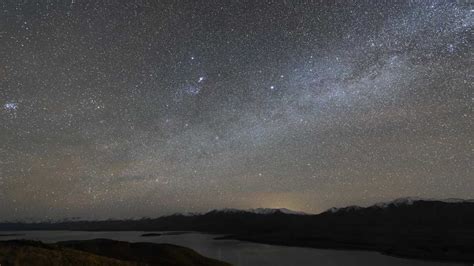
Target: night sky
x=146, y=108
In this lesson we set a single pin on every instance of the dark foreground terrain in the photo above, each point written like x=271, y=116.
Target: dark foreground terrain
x=424, y=229
x=99, y=252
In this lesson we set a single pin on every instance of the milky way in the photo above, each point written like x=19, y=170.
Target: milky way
x=145, y=108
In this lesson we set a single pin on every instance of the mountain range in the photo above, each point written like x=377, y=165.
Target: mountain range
x=409, y=227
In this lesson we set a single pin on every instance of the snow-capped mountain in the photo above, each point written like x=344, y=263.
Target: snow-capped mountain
x=400, y=202
x=349, y=208
x=411, y=200
x=263, y=211
x=271, y=211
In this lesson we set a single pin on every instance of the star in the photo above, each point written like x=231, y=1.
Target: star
x=376, y=96
x=11, y=106
x=192, y=90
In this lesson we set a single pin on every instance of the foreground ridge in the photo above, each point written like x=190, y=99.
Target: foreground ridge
x=101, y=252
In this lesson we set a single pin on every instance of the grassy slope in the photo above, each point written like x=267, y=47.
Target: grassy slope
x=37, y=254
x=99, y=252
x=149, y=253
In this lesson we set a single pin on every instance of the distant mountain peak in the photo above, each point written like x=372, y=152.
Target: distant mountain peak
x=346, y=209
x=186, y=214
x=271, y=211
x=399, y=202
x=260, y=211
x=411, y=200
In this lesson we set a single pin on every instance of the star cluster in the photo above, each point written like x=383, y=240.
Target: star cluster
x=144, y=108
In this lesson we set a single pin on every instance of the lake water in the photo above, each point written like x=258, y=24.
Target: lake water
x=236, y=252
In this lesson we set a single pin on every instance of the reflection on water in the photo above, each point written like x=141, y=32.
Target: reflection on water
x=233, y=251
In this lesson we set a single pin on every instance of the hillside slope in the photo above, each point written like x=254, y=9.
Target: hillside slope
x=99, y=252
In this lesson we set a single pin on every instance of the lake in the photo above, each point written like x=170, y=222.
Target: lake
x=234, y=251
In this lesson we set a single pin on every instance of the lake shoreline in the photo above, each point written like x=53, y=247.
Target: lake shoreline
x=325, y=245
x=276, y=245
